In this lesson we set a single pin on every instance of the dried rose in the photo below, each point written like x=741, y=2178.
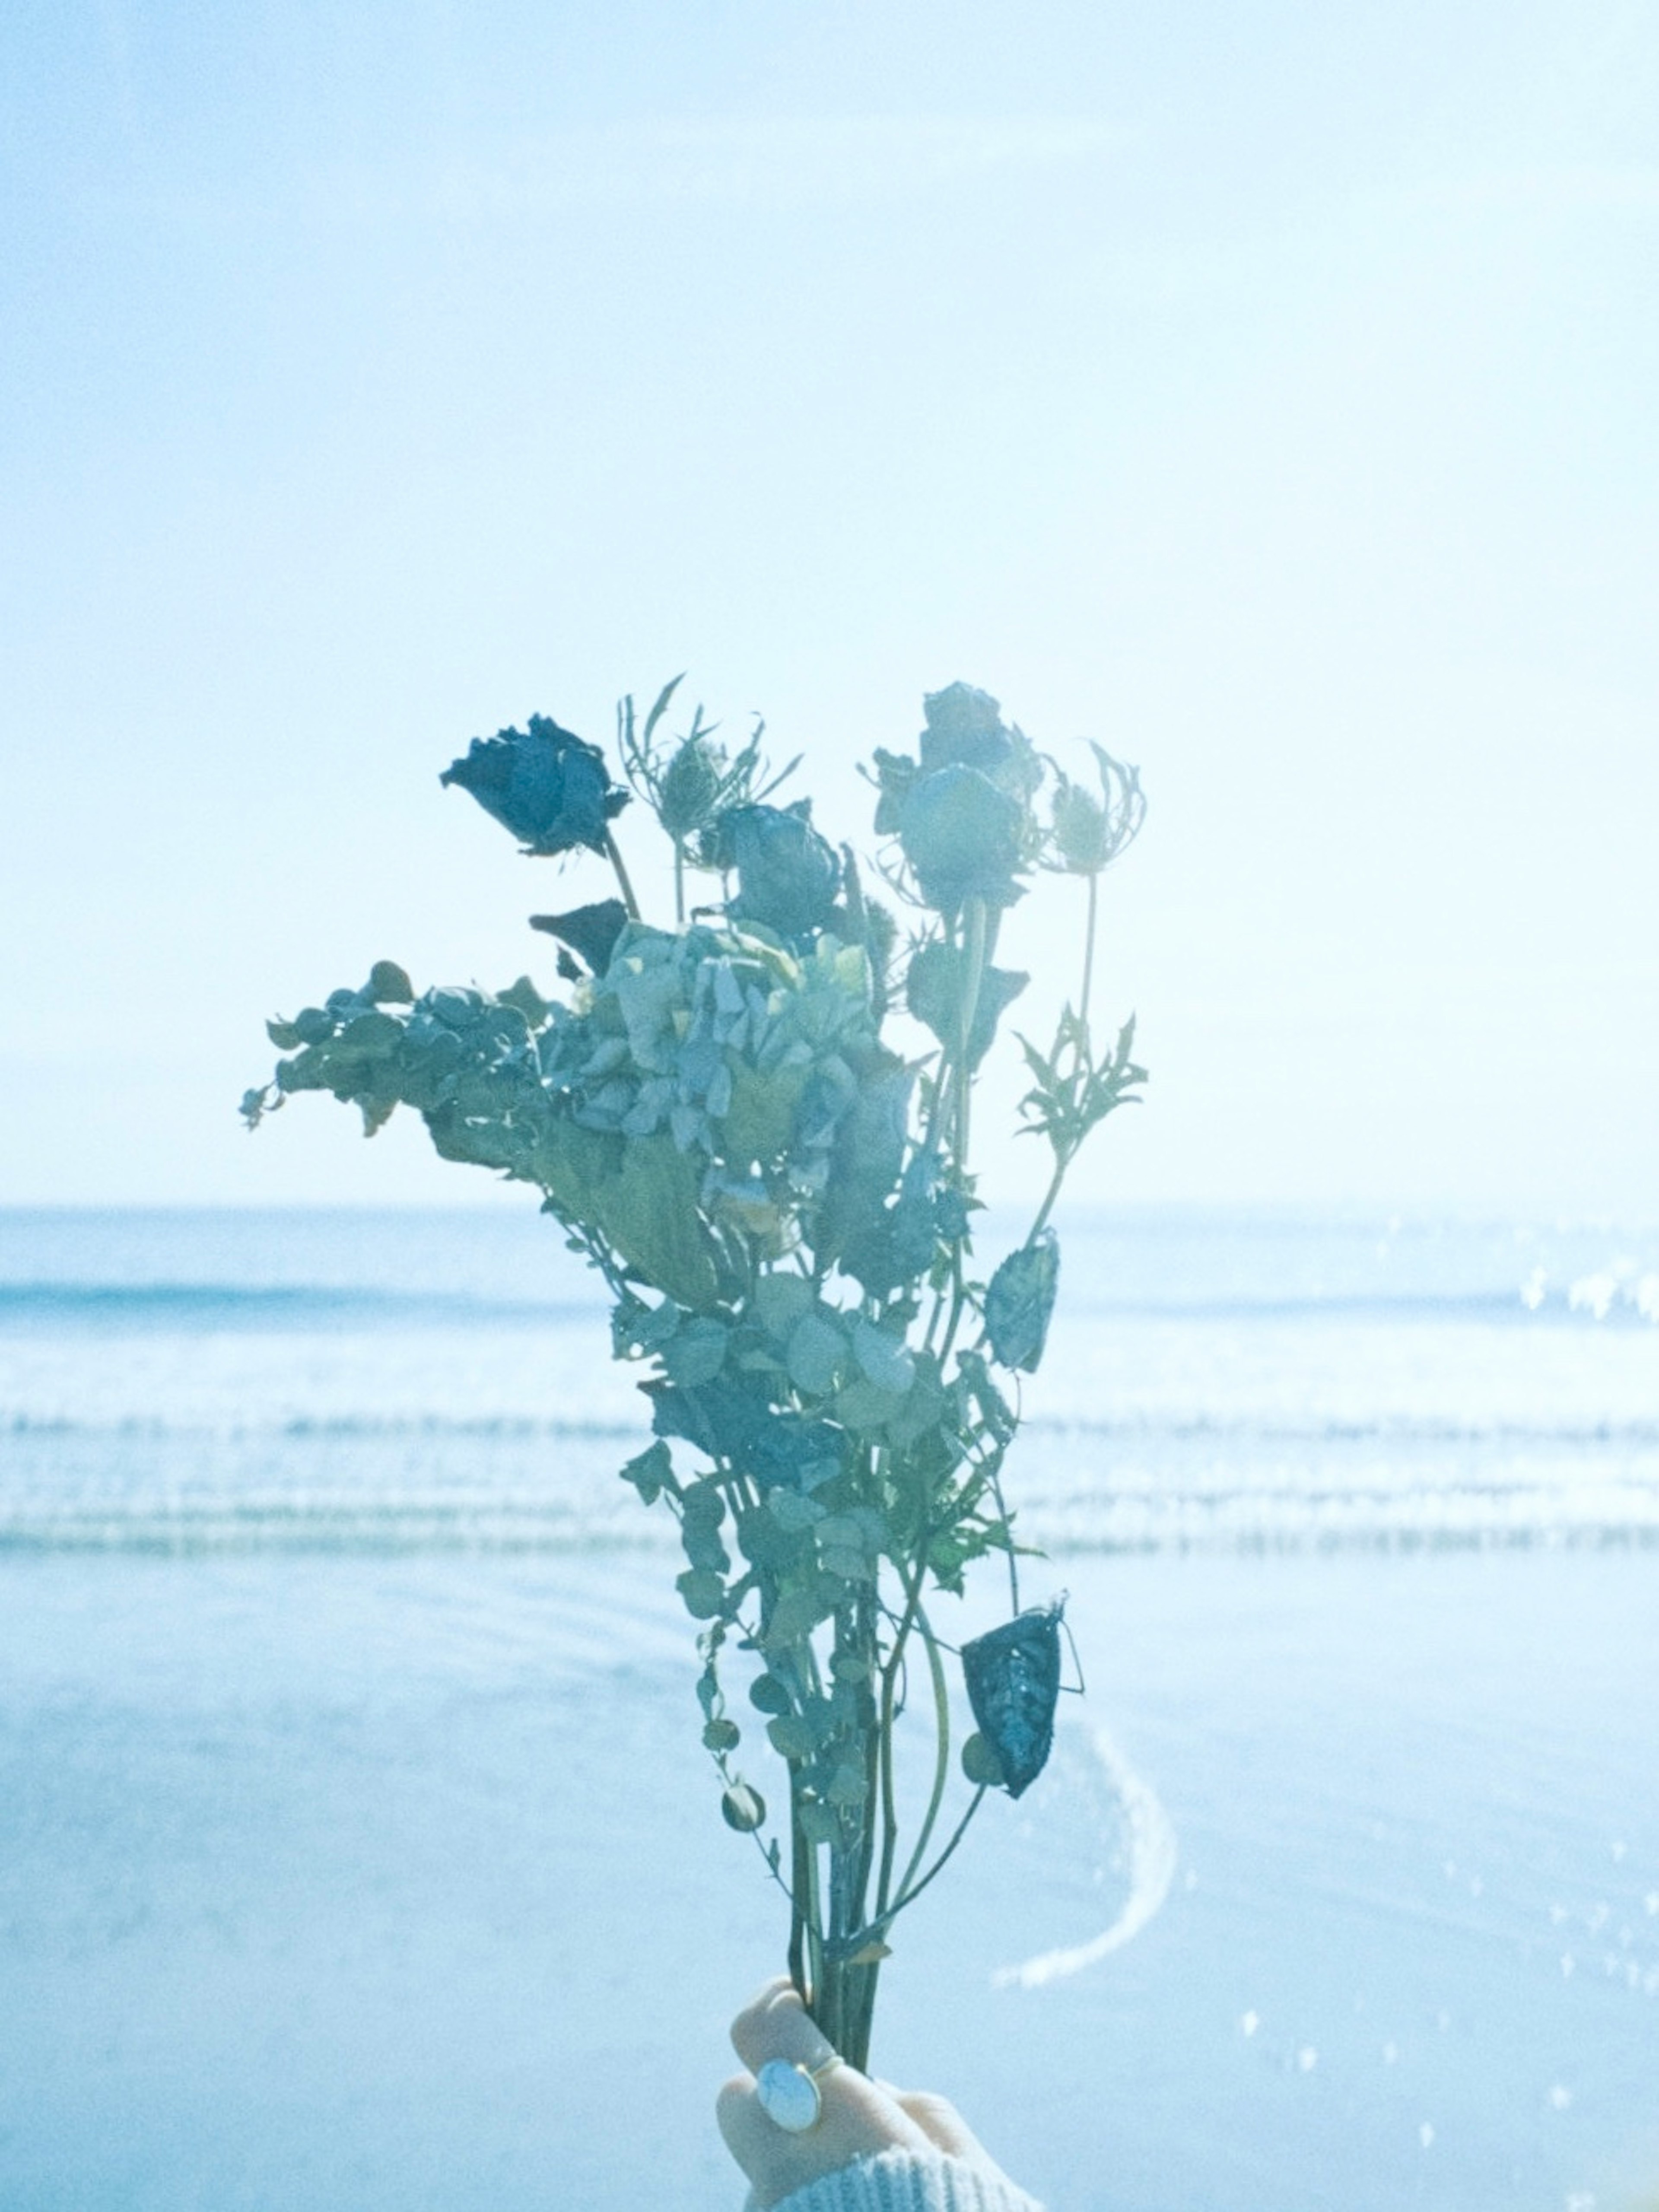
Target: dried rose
x=549, y=787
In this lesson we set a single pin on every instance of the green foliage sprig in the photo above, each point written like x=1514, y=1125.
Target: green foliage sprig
x=781, y=1202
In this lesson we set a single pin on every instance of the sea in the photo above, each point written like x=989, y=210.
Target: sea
x=356, y=1848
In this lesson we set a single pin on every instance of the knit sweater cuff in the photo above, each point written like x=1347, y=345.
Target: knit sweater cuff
x=909, y=2181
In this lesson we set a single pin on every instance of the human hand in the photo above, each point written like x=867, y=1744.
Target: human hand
x=859, y=2117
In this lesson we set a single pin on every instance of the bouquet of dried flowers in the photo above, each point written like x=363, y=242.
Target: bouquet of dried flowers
x=779, y=1197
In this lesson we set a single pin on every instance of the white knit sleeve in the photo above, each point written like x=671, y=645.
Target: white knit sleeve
x=909, y=2181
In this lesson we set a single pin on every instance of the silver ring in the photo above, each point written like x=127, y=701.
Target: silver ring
x=788, y=2093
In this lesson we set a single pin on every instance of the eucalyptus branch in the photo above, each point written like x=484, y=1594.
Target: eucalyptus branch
x=765, y=1850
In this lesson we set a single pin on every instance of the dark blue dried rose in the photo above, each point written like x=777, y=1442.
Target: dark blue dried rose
x=1020, y=1303
x=549, y=787
x=961, y=837
x=787, y=875
x=965, y=729
x=1014, y=1685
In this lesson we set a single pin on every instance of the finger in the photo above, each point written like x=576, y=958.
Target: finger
x=855, y=2117
x=939, y=2120
x=775, y=2024
x=856, y=2122
x=946, y=2129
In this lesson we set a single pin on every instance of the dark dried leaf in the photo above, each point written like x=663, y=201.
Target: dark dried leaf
x=590, y=932
x=1013, y=1676
x=934, y=992
x=1020, y=1303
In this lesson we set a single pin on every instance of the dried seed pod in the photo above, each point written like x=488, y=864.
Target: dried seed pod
x=743, y=1807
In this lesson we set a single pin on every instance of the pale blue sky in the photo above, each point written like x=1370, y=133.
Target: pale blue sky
x=1265, y=390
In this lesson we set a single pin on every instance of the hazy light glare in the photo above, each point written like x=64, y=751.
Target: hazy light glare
x=1267, y=396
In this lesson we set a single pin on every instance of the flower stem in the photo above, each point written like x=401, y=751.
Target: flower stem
x=1089, y=946
x=1063, y=1159
x=908, y=1896
x=613, y=854
x=889, y=1714
x=942, y=1755
x=967, y=1013
x=1048, y=1197
x=878, y=1927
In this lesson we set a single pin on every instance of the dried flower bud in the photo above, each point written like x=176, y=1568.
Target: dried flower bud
x=1080, y=836
x=1089, y=833
x=690, y=788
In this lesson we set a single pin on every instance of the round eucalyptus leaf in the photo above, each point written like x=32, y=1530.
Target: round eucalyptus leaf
x=721, y=1735
x=792, y=1736
x=981, y=1764
x=389, y=984
x=769, y=1695
x=704, y=1592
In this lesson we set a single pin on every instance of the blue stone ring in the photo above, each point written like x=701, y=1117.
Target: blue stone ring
x=788, y=2093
